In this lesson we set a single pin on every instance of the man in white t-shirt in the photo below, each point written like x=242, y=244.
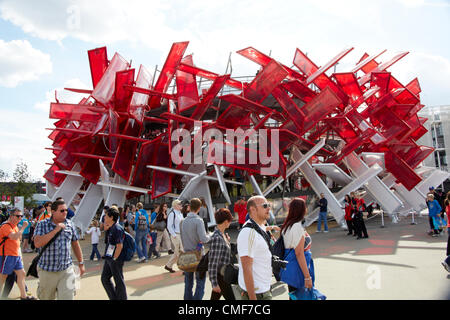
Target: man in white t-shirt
x=255, y=258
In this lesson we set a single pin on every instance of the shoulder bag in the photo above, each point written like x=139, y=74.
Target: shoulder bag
x=189, y=260
x=32, y=270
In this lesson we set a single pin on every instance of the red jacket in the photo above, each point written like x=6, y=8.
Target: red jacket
x=241, y=209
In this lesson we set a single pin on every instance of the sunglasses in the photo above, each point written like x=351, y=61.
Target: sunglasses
x=265, y=205
x=63, y=210
x=18, y=215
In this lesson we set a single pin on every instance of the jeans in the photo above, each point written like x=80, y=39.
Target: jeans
x=152, y=249
x=322, y=217
x=189, y=284
x=95, y=252
x=141, y=243
x=114, y=269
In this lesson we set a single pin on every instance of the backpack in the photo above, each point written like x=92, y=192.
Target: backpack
x=129, y=247
x=142, y=222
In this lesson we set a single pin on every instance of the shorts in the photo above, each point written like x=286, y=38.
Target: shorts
x=11, y=263
x=26, y=236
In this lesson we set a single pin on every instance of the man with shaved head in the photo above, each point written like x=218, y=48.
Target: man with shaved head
x=255, y=257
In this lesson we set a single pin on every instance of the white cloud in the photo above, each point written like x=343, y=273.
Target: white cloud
x=24, y=138
x=63, y=96
x=20, y=62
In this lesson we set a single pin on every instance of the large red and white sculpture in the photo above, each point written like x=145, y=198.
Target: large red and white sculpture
x=358, y=128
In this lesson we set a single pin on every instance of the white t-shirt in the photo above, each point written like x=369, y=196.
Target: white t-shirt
x=95, y=236
x=250, y=243
x=293, y=235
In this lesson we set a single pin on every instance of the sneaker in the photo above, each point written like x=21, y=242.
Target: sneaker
x=349, y=233
x=446, y=266
x=434, y=235
x=170, y=252
x=169, y=269
x=318, y=231
x=326, y=231
x=29, y=298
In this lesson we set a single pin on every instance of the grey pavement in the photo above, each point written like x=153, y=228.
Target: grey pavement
x=399, y=261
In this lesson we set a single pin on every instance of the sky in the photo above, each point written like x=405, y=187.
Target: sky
x=44, y=44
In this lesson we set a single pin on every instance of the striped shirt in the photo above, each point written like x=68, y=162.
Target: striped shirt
x=219, y=255
x=57, y=257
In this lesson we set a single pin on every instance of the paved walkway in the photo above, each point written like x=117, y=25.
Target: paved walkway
x=399, y=261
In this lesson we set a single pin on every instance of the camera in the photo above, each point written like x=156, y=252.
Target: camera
x=278, y=264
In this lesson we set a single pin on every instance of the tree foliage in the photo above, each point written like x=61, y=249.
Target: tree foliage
x=24, y=187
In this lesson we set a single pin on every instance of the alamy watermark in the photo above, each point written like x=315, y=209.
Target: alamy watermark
x=235, y=147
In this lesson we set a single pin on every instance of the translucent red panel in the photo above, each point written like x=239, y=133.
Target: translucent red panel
x=187, y=91
x=121, y=95
x=267, y=79
x=98, y=61
x=323, y=82
x=349, y=84
x=162, y=181
x=414, y=87
x=342, y=127
x=293, y=112
x=405, y=96
x=74, y=112
x=304, y=64
x=367, y=63
x=246, y=104
x=147, y=153
x=381, y=80
x=411, y=153
x=202, y=73
x=168, y=71
x=262, y=59
x=54, y=177
x=319, y=107
x=104, y=90
x=234, y=117
x=352, y=145
x=91, y=168
x=401, y=170
x=402, y=110
x=208, y=98
x=391, y=125
x=125, y=155
x=381, y=67
x=299, y=90
x=327, y=66
x=139, y=100
x=241, y=158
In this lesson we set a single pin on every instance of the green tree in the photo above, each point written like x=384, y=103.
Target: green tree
x=24, y=187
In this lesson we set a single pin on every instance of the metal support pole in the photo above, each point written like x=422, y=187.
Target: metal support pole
x=382, y=219
x=413, y=221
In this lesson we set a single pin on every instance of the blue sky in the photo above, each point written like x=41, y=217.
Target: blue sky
x=43, y=47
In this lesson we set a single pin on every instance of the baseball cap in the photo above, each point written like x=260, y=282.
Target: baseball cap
x=431, y=188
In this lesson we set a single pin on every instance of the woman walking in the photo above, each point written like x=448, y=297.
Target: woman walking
x=348, y=215
x=220, y=255
x=299, y=272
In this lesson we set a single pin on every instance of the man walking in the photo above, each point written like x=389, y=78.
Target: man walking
x=323, y=203
x=193, y=236
x=142, y=227
x=113, y=266
x=255, y=257
x=55, y=268
x=173, y=226
x=10, y=257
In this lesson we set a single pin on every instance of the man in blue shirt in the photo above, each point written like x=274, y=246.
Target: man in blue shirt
x=141, y=227
x=113, y=266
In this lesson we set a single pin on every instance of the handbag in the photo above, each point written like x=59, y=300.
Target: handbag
x=231, y=274
x=160, y=225
x=203, y=264
x=32, y=270
x=189, y=260
x=307, y=294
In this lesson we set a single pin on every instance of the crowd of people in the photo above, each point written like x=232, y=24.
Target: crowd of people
x=236, y=271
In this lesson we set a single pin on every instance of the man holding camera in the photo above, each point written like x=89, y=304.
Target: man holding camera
x=255, y=257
